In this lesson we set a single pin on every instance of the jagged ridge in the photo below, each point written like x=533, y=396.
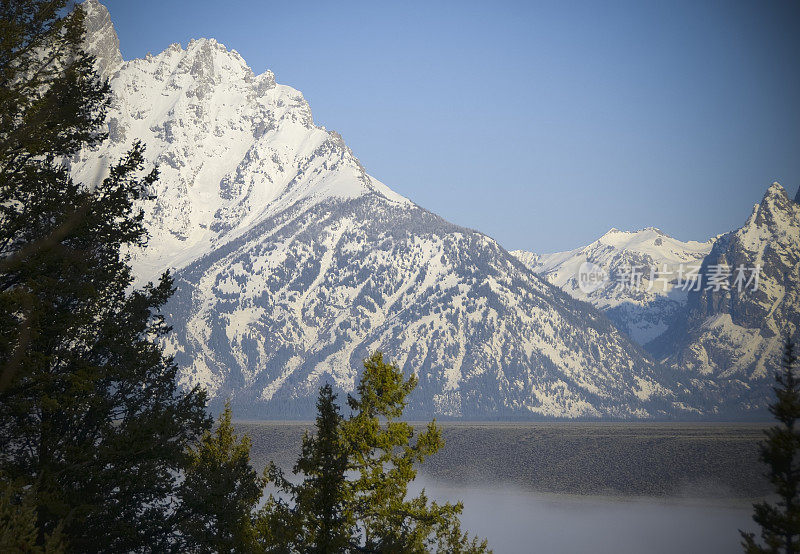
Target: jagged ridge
x=729, y=340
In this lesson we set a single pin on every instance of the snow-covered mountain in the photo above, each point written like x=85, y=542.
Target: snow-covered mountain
x=725, y=339
x=729, y=340
x=643, y=306
x=292, y=263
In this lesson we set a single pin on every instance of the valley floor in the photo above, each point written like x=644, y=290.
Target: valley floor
x=661, y=460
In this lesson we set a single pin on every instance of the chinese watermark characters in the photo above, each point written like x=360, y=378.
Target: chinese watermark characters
x=663, y=277
x=688, y=277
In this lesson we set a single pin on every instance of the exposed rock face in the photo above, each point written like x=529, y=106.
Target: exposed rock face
x=312, y=292
x=102, y=40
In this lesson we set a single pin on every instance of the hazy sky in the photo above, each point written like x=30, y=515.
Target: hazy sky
x=542, y=124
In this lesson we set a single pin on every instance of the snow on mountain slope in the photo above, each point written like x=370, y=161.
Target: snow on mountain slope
x=232, y=147
x=644, y=311
x=730, y=339
x=292, y=264
x=310, y=295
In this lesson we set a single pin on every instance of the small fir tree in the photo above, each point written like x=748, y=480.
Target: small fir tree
x=384, y=457
x=220, y=492
x=780, y=522
x=320, y=518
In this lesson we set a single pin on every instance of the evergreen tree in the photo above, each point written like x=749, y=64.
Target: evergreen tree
x=384, y=458
x=780, y=522
x=220, y=492
x=320, y=519
x=356, y=474
x=91, y=418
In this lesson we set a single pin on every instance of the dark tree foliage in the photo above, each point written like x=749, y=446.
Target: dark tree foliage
x=220, y=492
x=321, y=518
x=780, y=522
x=356, y=472
x=18, y=528
x=91, y=419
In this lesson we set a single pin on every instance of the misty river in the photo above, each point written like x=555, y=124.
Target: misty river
x=516, y=521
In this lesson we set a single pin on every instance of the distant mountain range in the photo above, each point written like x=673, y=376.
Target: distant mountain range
x=643, y=312
x=292, y=263
x=726, y=339
x=729, y=340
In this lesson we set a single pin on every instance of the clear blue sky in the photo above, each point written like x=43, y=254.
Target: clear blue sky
x=542, y=124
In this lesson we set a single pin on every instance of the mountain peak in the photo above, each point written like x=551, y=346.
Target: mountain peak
x=645, y=230
x=642, y=313
x=633, y=239
x=775, y=190
x=211, y=46
x=733, y=333
x=233, y=148
x=101, y=40
x=774, y=220
x=774, y=210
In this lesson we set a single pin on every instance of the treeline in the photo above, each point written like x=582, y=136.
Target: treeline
x=100, y=449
